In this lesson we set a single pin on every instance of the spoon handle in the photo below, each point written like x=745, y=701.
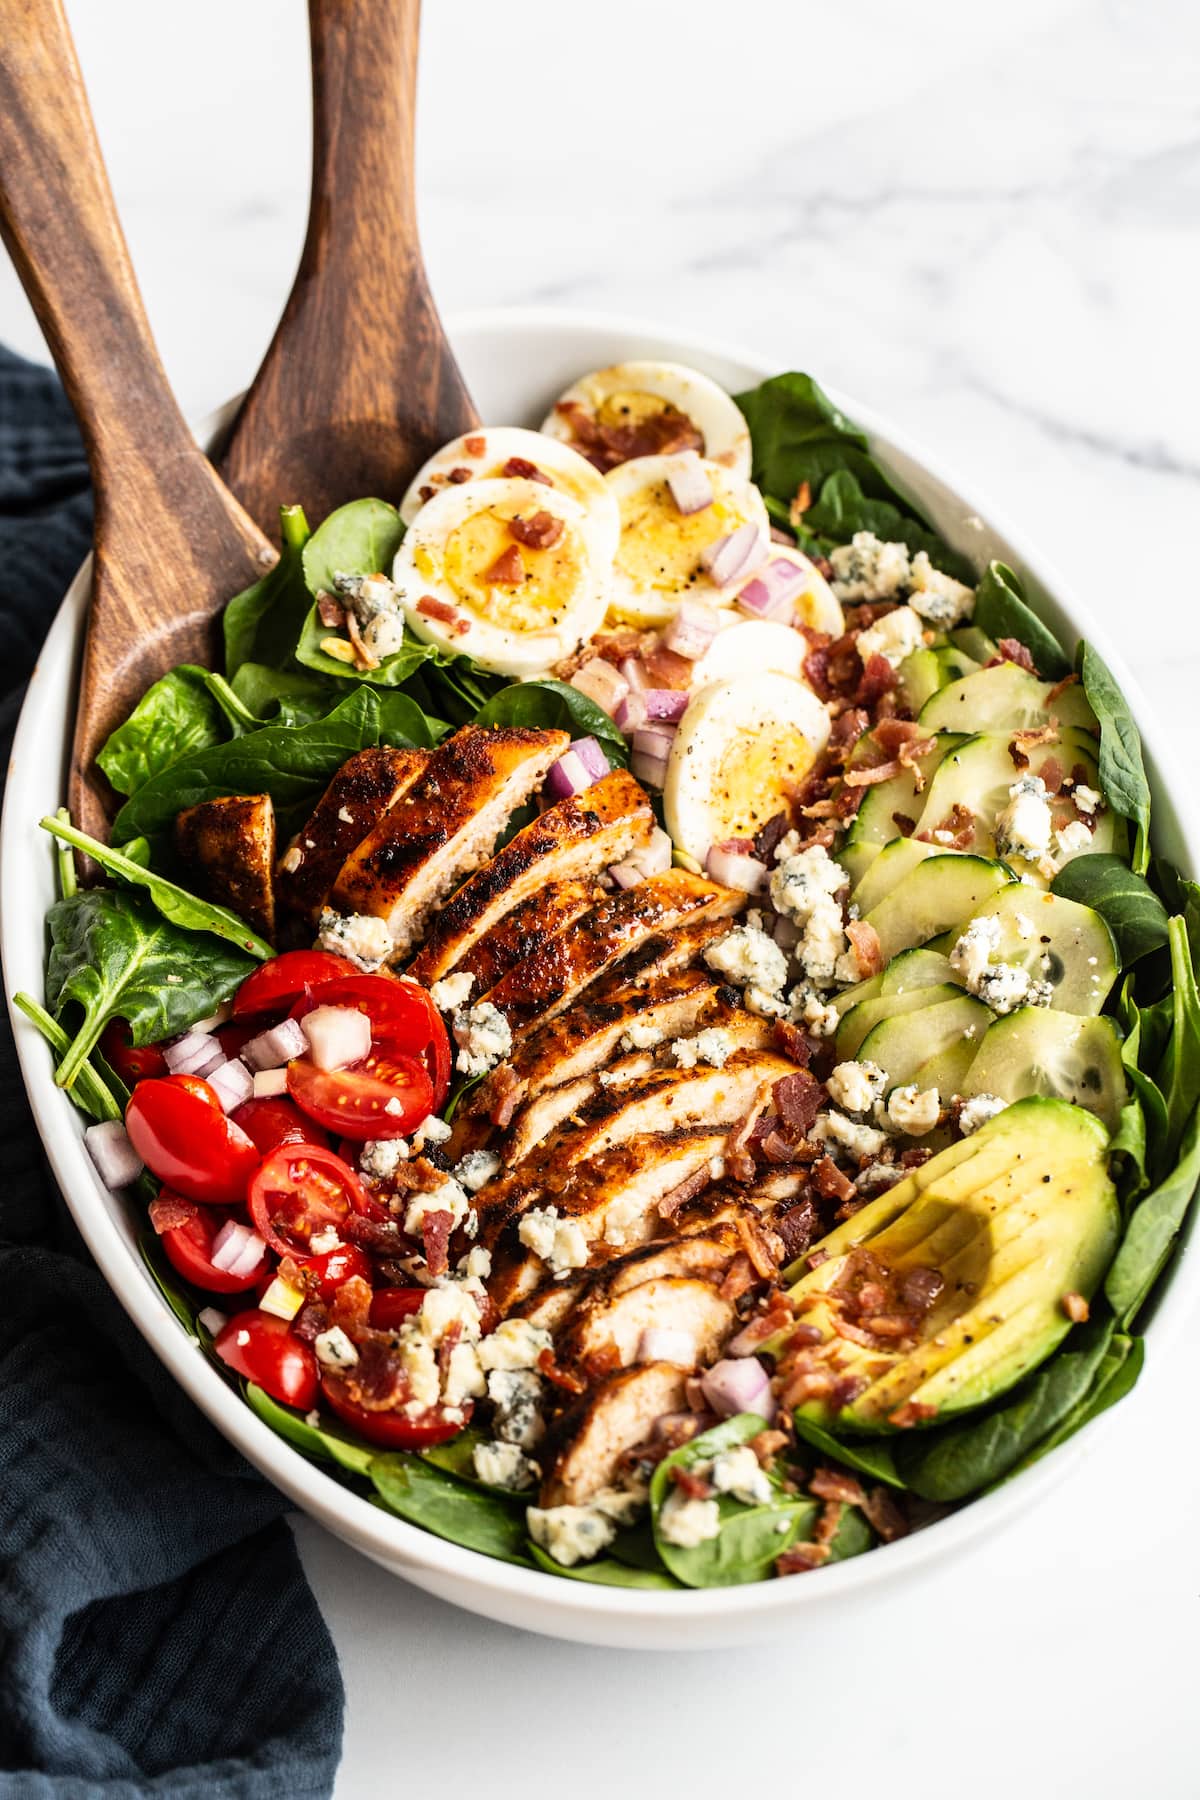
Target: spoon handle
x=359, y=380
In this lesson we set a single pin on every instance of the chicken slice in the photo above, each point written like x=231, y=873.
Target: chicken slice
x=614, y=1327
x=590, y=1440
x=227, y=847
x=444, y=827
x=352, y=805
x=515, y=936
x=574, y=840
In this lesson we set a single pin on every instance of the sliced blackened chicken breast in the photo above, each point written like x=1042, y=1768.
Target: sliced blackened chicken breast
x=592, y=1438
x=444, y=827
x=228, y=849
x=518, y=934
x=621, y=1326
x=574, y=840
x=352, y=805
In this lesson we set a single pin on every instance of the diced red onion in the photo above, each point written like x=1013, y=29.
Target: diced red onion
x=271, y=1049
x=652, y=858
x=667, y=1343
x=739, y=1385
x=692, y=630
x=735, y=869
x=337, y=1036
x=117, y=1162
x=627, y=874
x=268, y=1082
x=651, y=749
x=212, y=1319
x=632, y=713
x=736, y=555
x=688, y=481
x=195, y=1053
x=772, y=593
x=636, y=673
x=591, y=756
x=232, y=1083
x=666, y=704
x=236, y=1250
x=600, y=682
x=568, y=776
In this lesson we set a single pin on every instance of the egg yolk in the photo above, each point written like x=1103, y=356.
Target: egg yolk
x=660, y=547
x=757, y=775
x=550, y=582
x=634, y=408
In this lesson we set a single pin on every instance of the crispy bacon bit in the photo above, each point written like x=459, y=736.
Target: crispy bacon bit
x=687, y=1190
x=1051, y=773
x=792, y=1041
x=739, y=1278
x=955, y=832
x=541, y=532
x=798, y=1099
x=658, y=434
x=800, y=503
x=868, y=951
x=168, y=1212
x=904, y=825
x=310, y=1321
x=426, y=492
x=1013, y=651
x=1019, y=758
x=1076, y=1308
x=475, y=445
x=562, y=1378
x=836, y=1484
x=885, y=1515
x=738, y=1162
x=1060, y=687
x=912, y=1159
x=459, y=475
x=666, y=669
x=801, y=1557
x=776, y=1149
x=673, y=1429
x=507, y=571
x=830, y=1182
x=504, y=1089
x=1024, y=741
x=878, y=678
x=331, y=612
x=754, y=1244
x=695, y=1486
x=826, y=1527
x=767, y=1445
x=798, y=1226
x=365, y=658
x=435, y=1235
x=913, y=1412
x=433, y=608
x=817, y=1258
x=884, y=771
x=768, y=837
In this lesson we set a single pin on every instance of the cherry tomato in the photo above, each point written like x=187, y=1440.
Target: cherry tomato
x=300, y=1190
x=394, y=1430
x=234, y=1036
x=404, y=1020
x=179, y=1130
x=273, y=1120
x=274, y=985
x=132, y=1062
x=332, y=1267
x=380, y=1097
x=267, y=1351
x=391, y=1306
x=188, y=1248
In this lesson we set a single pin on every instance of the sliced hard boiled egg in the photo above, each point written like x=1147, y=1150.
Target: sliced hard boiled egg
x=742, y=749
x=508, y=451
x=752, y=647
x=816, y=605
x=509, y=572
x=649, y=409
x=659, y=556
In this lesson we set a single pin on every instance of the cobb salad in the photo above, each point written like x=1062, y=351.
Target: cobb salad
x=639, y=1005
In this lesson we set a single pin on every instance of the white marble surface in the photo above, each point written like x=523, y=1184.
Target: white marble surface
x=986, y=221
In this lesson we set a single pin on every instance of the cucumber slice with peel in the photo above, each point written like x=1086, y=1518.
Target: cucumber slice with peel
x=975, y=642
x=863, y=1018
x=947, y=1069
x=1055, y=940
x=874, y=822
x=933, y=898
x=850, y=997
x=1006, y=698
x=916, y=969
x=910, y=1041
x=918, y=678
x=1038, y=1050
x=894, y=862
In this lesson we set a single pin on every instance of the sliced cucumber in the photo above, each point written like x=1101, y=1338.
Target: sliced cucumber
x=935, y=896
x=894, y=862
x=947, y=1070
x=976, y=643
x=913, y=1041
x=1005, y=698
x=864, y=1017
x=875, y=822
x=853, y=996
x=916, y=969
x=955, y=664
x=1038, y=1050
x=856, y=859
x=918, y=678
x=1058, y=941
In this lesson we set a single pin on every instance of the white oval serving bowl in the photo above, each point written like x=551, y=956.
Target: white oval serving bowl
x=515, y=364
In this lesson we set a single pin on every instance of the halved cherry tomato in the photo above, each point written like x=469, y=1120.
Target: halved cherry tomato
x=273, y=1120
x=404, y=1020
x=235, y=1035
x=379, y=1097
x=394, y=1430
x=188, y=1248
x=300, y=1190
x=267, y=1351
x=391, y=1306
x=274, y=985
x=179, y=1130
x=332, y=1267
x=132, y=1062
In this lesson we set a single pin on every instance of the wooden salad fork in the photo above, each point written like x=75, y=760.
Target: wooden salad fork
x=171, y=543
x=359, y=385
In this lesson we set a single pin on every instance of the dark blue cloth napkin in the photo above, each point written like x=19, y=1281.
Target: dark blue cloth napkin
x=157, y=1635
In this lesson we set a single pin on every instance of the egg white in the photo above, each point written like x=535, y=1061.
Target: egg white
x=521, y=631
x=742, y=748
x=568, y=471
x=658, y=562
x=751, y=647
x=629, y=390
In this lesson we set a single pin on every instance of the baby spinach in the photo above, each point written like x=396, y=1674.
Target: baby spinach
x=64, y=862
x=604, y=1572
x=415, y=1491
x=1122, y=771
x=799, y=435
x=842, y=508
x=91, y=1093
x=286, y=696
x=1152, y=1230
x=324, y=1443
x=262, y=623
x=1179, y=1073
x=1126, y=902
x=959, y=1460
x=167, y=1282
x=174, y=903
x=750, y=1537
x=555, y=706
x=1116, y=1376
x=852, y=1537
x=360, y=538
x=116, y=958
x=1001, y=610
x=177, y=715
x=873, y=1459
x=392, y=672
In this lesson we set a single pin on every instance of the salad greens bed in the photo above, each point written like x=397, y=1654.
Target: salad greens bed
x=283, y=718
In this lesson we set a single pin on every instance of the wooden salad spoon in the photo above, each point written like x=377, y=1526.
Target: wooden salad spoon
x=359, y=385
x=171, y=543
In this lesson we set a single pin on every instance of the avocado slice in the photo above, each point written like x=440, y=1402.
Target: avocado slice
x=993, y=1233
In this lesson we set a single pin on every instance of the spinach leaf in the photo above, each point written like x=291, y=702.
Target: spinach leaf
x=294, y=764
x=868, y=1458
x=176, y=716
x=424, y=1496
x=1126, y=902
x=1117, y=1376
x=842, y=509
x=1129, y=1140
x=634, y=1545
x=1122, y=772
x=750, y=1537
x=852, y=1537
x=1001, y=610
x=116, y=958
x=457, y=1457
x=1179, y=1073
x=959, y=1460
x=324, y=1443
x=604, y=1572
x=798, y=435
x=296, y=696
x=556, y=706
x=167, y=1281
x=1152, y=1230
x=174, y=903
x=1183, y=897
x=262, y=623
x=91, y=1093
x=360, y=538
x=64, y=862
x=394, y=671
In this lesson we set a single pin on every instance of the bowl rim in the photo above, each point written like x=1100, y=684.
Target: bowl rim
x=406, y=1548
